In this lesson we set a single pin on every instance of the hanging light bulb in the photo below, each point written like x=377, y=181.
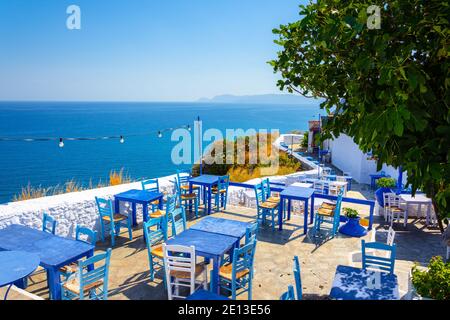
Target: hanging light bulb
x=189, y=128
x=61, y=143
x=159, y=134
x=122, y=140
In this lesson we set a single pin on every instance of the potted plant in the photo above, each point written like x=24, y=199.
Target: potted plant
x=385, y=185
x=432, y=282
x=352, y=227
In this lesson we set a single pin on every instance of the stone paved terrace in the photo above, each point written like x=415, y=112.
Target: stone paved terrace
x=129, y=272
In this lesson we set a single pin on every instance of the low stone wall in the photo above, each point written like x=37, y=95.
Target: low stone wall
x=80, y=208
x=70, y=209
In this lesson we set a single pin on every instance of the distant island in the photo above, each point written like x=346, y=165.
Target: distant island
x=263, y=98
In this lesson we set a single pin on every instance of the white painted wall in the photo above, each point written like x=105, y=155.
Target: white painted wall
x=347, y=156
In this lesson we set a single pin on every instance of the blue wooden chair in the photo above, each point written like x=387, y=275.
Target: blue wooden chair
x=298, y=278
x=370, y=261
x=268, y=196
x=220, y=192
x=171, y=205
x=89, y=284
x=183, y=177
x=85, y=235
x=265, y=208
x=155, y=231
x=112, y=220
x=251, y=232
x=48, y=224
x=250, y=235
x=268, y=193
x=185, y=199
x=288, y=295
x=178, y=221
x=152, y=185
x=237, y=275
x=328, y=214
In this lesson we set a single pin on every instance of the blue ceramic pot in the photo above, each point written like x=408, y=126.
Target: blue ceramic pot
x=352, y=228
x=379, y=195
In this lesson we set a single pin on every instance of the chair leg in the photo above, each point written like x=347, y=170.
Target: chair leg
x=130, y=230
x=250, y=287
x=196, y=207
x=233, y=290
x=273, y=220
x=113, y=231
x=102, y=229
x=152, y=270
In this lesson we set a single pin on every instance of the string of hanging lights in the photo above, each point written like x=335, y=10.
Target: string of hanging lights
x=61, y=140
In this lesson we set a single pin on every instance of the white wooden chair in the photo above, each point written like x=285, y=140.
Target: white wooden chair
x=394, y=209
x=385, y=208
x=390, y=237
x=355, y=257
x=183, y=271
x=319, y=187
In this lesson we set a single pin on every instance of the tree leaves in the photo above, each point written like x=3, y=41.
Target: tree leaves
x=395, y=81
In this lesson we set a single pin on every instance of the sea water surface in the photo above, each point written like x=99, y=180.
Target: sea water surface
x=43, y=163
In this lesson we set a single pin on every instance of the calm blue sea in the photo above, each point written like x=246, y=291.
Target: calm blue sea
x=45, y=164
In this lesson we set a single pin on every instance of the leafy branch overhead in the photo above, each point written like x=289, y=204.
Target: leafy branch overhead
x=387, y=88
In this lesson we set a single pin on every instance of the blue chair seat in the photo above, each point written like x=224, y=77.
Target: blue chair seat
x=188, y=196
x=157, y=214
x=70, y=268
x=268, y=205
x=214, y=191
x=186, y=187
x=157, y=251
x=117, y=217
x=73, y=285
x=325, y=212
x=226, y=271
x=273, y=199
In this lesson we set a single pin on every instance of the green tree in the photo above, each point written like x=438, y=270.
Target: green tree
x=387, y=88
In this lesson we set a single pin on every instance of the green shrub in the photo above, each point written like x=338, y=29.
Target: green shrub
x=305, y=140
x=435, y=282
x=351, y=213
x=386, y=183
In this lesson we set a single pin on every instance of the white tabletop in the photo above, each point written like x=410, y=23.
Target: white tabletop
x=302, y=184
x=419, y=198
x=338, y=183
x=335, y=183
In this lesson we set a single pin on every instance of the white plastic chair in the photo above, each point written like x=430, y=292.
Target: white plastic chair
x=182, y=270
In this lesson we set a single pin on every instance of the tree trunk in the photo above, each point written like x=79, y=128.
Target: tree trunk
x=436, y=211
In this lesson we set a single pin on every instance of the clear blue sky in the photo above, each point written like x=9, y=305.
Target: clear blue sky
x=163, y=50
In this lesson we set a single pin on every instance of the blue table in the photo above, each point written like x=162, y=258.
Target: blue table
x=357, y=284
x=53, y=251
x=375, y=177
x=206, y=295
x=142, y=197
x=221, y=226
x=208, y=245
x=296, y=193
x=206, y=181
x=16, y=265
